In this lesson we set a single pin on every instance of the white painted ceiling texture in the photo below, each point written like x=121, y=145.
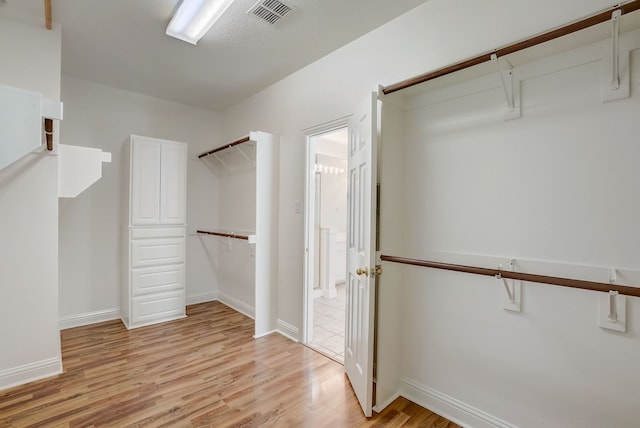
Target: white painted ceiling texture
x=122, y=43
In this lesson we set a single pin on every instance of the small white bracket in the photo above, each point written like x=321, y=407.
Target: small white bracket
x=615, y=52
x=613, y=310
x=615, y=83
x=512, y=297
x=244, y=155
x=221, y=161
x=511, y=90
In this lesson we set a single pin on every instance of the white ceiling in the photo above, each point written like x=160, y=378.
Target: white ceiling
x=122, y=43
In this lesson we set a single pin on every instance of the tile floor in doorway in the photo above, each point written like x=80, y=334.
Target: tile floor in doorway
x=328, y=324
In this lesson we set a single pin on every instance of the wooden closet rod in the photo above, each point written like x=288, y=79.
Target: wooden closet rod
x=47, y=14
x=226, y=235
x=227, y=146
x=48, y=133
x=515, y=47
x=521, y=276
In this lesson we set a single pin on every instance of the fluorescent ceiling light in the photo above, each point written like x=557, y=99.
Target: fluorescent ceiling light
x=194, y=18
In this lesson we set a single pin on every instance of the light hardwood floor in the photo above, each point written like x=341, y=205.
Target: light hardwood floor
x=205, y=370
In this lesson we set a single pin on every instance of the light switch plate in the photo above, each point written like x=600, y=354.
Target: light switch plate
x=621, y=310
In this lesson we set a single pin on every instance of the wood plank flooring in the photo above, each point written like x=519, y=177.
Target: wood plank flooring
x=205, y=370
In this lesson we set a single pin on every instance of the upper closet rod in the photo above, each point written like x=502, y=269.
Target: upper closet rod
x=226, y=146
x=515, y=47
x=521, y=276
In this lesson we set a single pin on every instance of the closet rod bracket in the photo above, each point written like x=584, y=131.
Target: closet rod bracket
x=508, y=85
x=615, y=73
x=512, y=296
x=615, y=50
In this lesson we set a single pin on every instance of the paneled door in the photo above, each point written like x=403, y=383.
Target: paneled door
x=361, y=239
x=173, y=184
x=145, y=181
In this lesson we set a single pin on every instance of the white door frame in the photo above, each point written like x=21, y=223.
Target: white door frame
x=309, y=212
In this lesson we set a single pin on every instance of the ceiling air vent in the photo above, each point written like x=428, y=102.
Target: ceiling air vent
x=271, y=11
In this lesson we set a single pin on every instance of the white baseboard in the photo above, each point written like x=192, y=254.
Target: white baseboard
x=88, y=318
x=236, y=304
x=201, y=298
x=449, y=407
x=29, y=372
x=258, y=336
x=380, y=407
x=288, y=330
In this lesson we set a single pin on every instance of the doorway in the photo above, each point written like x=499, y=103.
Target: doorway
x=326, y=227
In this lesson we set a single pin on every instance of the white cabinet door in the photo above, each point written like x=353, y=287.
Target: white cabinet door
x=145, y=181
x=173, y=183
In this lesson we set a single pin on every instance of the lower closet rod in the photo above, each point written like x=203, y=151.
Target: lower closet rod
x=226, y=235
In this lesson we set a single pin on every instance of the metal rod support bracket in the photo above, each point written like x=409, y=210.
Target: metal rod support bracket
x=615, y=50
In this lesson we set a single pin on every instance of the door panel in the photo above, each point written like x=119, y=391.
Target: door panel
x=361, y=229
x=145, y=181
x=173, y=184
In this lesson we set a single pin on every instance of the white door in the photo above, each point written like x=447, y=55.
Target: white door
x=361, y=239
x=145, y=181
x=173, y=183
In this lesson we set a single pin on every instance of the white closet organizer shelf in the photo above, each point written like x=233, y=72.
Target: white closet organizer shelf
x=235, y=156
x=250, y=237
x=248, y=166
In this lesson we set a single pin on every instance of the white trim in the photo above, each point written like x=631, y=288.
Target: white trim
x=30, y=372
x=326, y=127
x=453, y=409
x=380, y=407
x=87, y=318
x=307, y=297
x=289, y=331
x=202, y=298
x=258, y=336
x=238, y=305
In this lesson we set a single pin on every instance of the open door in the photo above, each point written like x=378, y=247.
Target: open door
x=361, y=240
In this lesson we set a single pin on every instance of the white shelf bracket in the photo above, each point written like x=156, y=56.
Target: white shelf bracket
x=512, y=297
x=506, y=77
x=245, y=156
x=615, y=72
x=222, y=162
x=613, y=314
x=615, y=49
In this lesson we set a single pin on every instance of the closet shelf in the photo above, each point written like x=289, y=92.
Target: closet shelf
x=225, y=147
x=235, y=156
x=251, y=238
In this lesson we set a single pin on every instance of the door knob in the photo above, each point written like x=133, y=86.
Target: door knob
x=378, y=270
x=363, y=271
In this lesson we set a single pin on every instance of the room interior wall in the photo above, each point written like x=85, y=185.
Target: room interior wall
x=235, y=259
x=91, y=224
x=431, y=36
x=29, y=213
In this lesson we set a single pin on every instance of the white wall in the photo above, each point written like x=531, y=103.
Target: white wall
x=90, y=225
x=235, y=260
x=431, y=36
x=556, y=190
x=29, y=214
